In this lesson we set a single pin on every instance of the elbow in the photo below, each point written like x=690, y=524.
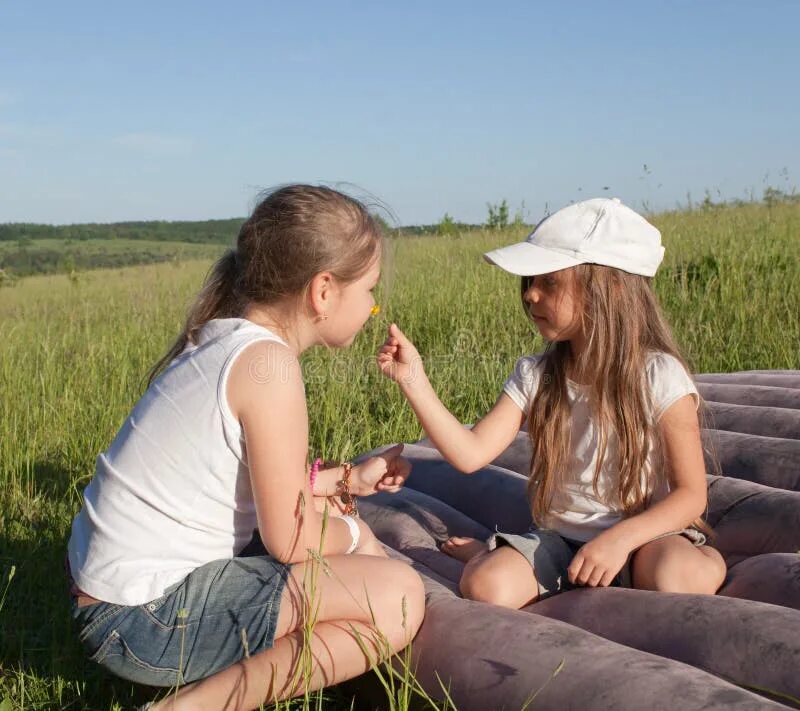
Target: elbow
x=701, y=511
x=292, y=557
x=697, y=504
x=286, y=557
x=461, y=463
x=286, y=552
x=468, y=466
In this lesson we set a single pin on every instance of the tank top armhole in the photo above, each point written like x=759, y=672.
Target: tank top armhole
x=222, y=395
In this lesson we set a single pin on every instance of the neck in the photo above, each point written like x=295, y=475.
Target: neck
x=297, y=331
x=577, y=347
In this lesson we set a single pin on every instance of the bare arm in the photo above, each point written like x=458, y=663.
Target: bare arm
x=272, y=411
x=467, y=450
x=688, y=495
x=685, y=502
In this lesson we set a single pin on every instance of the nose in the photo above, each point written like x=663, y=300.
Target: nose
x=532, y=294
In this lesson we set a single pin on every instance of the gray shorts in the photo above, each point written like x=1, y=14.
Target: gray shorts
x=209, y=621
x=550, y=555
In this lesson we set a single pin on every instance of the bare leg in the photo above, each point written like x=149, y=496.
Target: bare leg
x=361, y=594
x=674, y=564
x=500, y=577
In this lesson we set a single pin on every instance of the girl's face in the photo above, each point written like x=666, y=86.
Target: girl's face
x=554, y=303
x=352, y=308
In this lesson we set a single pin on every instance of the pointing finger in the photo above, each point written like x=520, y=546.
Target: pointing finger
x=395, y=331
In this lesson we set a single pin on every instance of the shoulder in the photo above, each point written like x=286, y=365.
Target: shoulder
x=668, y=380
x=263, y=369
x=662, y=365
x=523, y=382
x=529, y=368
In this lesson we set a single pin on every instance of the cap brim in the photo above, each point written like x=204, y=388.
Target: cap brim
x=526, y=259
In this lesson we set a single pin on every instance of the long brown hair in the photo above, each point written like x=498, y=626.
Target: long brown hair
x=294, y=233
x=622, y=322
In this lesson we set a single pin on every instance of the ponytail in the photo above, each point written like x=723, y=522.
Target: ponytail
x=294, y=232
x=217, y=299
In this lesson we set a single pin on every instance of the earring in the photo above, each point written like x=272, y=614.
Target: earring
x=321, y=317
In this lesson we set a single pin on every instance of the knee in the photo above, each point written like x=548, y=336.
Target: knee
x=699, y=584
x=711, y=574
x=481, y=586
x=704, y=574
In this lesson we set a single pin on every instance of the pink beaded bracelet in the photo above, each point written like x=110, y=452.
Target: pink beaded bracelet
x=312, y=477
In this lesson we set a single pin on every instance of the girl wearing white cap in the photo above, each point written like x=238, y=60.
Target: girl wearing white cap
x=617, y=484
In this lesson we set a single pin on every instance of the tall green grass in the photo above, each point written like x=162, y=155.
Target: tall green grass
x=74, y=355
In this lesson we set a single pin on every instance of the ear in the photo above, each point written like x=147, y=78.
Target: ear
x=321, y=293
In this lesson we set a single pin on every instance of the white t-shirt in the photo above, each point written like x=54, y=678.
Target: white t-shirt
x=577, y=512
x=172, y=492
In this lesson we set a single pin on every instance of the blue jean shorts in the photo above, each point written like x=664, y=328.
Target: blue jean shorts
x=209, y=621
x=550, y=555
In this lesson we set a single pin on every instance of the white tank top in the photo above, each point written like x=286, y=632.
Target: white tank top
x=172, y=492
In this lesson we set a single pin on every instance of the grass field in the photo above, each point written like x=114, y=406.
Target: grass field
x=74, y=352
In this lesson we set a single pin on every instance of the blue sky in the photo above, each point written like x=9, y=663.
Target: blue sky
x=184, y=110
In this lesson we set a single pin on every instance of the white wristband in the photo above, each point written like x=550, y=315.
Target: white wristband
x=355, y=533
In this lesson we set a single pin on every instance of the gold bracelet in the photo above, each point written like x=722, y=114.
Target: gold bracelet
x=343, y=488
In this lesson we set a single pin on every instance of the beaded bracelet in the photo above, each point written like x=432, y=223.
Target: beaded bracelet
x=343, y=487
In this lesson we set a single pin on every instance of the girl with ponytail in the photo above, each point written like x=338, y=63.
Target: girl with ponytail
x=170, y=586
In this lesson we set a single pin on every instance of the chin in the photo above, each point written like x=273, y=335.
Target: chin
x=550, y=334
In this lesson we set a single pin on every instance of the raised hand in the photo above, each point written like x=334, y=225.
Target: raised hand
x=398, y=358
x=386, y=471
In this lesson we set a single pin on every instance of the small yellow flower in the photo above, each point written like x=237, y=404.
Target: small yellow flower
x=375, y=310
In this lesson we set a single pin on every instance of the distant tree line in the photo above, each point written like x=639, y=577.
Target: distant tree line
x=22, y=262
x=207, y=232
x=225, y=231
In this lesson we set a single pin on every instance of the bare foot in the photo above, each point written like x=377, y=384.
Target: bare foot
x=462, y=548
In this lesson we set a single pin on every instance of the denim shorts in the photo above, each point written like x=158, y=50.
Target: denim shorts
x=550, y=555
x=209, y=621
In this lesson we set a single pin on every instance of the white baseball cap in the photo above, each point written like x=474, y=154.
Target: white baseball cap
x=597, y=231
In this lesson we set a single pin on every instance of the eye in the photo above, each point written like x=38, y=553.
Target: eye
x=546, y=281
